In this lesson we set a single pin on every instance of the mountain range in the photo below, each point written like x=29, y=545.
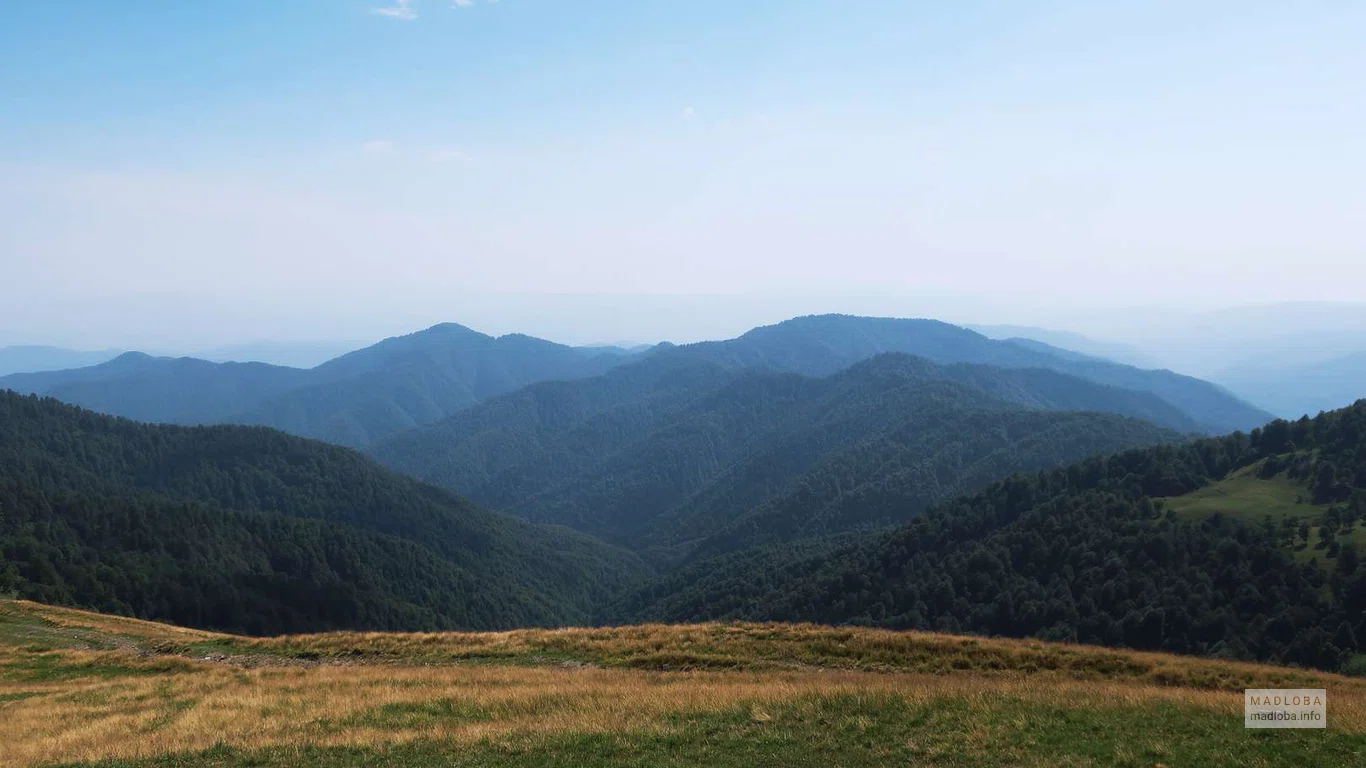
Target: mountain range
x=901, y=473
x=351, y=400
x=415, y=380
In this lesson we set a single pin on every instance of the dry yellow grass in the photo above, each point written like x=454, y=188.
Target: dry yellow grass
x=80, y=705
x=364, y=705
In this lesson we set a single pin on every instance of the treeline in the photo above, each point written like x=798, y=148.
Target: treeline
x=1086, y=554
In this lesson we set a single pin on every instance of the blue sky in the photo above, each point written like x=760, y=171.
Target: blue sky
x=199, y=173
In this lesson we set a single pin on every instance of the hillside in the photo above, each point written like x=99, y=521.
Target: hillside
x=1092, y=553
x=667, y=454
x=820, y=345
x=394, y=385
x=78, y=686
x=252, y=530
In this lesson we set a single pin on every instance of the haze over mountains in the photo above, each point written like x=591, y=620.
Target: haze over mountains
x=414, y=380
x=1291, y=390
x=33, y=358
x=396, y=384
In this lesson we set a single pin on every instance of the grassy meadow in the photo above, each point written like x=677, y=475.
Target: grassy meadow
x=1247, y=496
x=81, y=688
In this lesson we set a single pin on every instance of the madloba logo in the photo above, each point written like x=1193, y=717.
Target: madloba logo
x=1288, y=701
x=1272, y=708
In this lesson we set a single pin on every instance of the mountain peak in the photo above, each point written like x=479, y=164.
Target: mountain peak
x=449, y=329
x=130, y=358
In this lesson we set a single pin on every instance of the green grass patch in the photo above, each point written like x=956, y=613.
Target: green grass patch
x=1245, y=496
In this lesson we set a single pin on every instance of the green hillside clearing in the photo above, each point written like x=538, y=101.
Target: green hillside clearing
x=1246, y=496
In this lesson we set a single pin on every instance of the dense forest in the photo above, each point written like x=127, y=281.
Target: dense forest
x=1090, y=553
x=667, y=455
x=248, y=529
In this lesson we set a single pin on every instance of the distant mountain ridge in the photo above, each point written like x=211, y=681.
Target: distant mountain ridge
x=1292, y=390
x=821, y=344
x=411, y=381
x=1072, y=342
x=394, y=385
x=33, y=358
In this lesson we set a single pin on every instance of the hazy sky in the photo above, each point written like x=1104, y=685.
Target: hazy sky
x=182, y=173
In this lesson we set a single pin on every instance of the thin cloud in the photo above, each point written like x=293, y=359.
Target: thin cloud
x=401, y=10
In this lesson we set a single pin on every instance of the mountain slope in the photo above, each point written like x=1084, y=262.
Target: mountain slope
x=391, y=386
x=820, y=345
x=1085, y=554
x=663, y=453
x=249, y=529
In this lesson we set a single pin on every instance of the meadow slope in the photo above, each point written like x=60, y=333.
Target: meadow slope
x=79, y=687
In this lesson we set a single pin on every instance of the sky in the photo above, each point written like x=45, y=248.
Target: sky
x=177, y=174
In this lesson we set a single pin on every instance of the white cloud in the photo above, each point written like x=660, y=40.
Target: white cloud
x=378, y=146
x=689, y=113
x=401, y=10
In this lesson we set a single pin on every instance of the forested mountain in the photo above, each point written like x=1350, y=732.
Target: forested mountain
x=1095, y=553
x=248, y=529
x=669, y=454
x=1292, y=390
x=823, y=344
x=394, y=385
